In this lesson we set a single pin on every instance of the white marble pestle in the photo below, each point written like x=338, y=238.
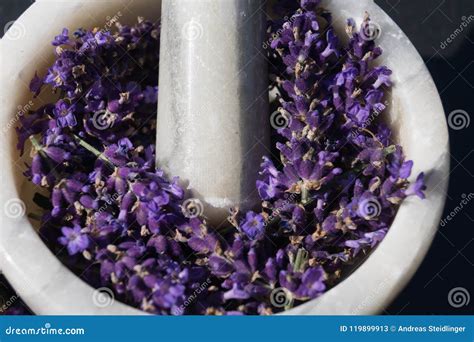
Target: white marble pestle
x=213, y=122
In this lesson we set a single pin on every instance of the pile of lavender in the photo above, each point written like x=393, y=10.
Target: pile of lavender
x=119, y=222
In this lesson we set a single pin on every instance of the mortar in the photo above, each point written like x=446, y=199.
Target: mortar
x=416, y=117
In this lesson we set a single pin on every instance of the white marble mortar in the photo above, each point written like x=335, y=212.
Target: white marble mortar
x=416, y=115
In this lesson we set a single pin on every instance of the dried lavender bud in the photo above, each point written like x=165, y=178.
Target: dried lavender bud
x=331, y=194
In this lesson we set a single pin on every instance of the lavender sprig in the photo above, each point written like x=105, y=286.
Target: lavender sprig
x=119, y=222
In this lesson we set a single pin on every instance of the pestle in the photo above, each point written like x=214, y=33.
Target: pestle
x=213, y=127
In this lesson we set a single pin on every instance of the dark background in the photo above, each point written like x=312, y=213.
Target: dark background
x=449, y=263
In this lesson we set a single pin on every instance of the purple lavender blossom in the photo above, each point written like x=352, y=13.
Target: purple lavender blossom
x=74, y=240
x=253, y=225
x=329, y=195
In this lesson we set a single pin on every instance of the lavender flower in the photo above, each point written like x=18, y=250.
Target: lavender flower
x=331, y=193
x=253, y=226
x=74, y=240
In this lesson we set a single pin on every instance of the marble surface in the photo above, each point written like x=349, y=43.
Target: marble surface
x=416, y=115
x=213, y=126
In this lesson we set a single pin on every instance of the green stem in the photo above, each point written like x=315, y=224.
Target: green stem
x=40, y=149
x=389, y=150
x=36, y=144
x=304, y=194
x=301, y=259
x=93, y=150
